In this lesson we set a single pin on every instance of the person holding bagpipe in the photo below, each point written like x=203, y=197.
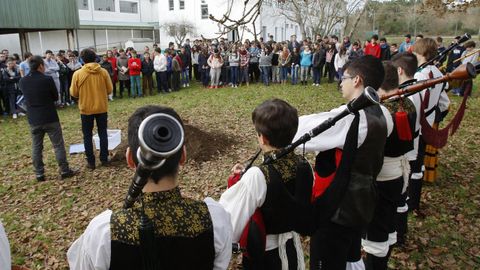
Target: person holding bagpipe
x=350, y=156
x=158, y=228
x=393, y=178
x=435, y=103
x=270, y=204
x=406, y=64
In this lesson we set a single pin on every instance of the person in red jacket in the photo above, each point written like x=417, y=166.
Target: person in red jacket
x=113, y=60
x=135, y=68
x=373, y=48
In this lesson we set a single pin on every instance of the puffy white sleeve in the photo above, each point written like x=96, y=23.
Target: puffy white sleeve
x=91, y=251
x=333, y=137
x=241, y=200
x=5, y=260
x=443, y=102
x=222, y=233
x=388, y=119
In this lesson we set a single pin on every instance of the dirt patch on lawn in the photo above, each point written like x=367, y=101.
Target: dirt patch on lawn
x=201, y=145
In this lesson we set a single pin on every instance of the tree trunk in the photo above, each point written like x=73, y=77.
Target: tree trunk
x=357, y=20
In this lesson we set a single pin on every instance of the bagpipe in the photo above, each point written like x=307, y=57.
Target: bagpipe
x=368, y=98
x=437, y=138
x=160, y=136
x=445, y=52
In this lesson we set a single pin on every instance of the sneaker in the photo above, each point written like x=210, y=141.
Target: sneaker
x=21, y=114
x=184, y=85
x=14, y=116
x=188, y=85
x=40, y=178
x=68, y=174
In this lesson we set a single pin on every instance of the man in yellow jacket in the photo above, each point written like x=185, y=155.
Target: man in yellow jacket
x=91, y=85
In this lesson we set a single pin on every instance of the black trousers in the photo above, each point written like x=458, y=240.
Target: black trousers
x=87, y=128
x=123, y=85
x=415, y=185
x=176, y=80
x=162, y=84
x=333, y=245
x=272, y=259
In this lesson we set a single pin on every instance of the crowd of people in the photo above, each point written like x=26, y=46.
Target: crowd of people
x=215, y=63
x=367, y=174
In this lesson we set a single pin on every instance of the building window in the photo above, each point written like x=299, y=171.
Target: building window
x=82, y=4
x=104, y=5
x=264, y=32
x=204, y=8
x=128, y=7
x=170, y=4
x=181, y=3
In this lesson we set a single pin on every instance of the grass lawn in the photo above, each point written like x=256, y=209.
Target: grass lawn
x=43, y=219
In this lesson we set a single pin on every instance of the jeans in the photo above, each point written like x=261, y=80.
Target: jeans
x=283, y=73
x=294, y=74
x=304, y=72
x=234, y=75
x=244, y=74
x=135, y=86
x=87, y=128
x=275, y=74
x=316, y=75
x=162, y=81
x=54, y=131
x=224, y=75
x=12, y=101
x=204, y=76
x=65, y=97
x=185, y=78
x=215, y=74
x=265, y=74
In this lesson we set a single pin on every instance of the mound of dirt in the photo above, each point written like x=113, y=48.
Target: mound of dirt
x=201, y=145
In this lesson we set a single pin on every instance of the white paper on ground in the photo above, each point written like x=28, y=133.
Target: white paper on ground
x=77, y=148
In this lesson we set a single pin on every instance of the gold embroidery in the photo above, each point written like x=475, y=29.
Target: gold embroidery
x=285, y=166
x=172, y=215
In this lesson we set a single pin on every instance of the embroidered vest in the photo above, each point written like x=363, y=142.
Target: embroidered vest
x=289, y=187
x=183, y=233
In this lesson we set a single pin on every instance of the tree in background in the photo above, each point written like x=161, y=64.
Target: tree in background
x=179, y=31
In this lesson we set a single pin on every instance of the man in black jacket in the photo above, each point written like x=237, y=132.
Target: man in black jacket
x=41, y=94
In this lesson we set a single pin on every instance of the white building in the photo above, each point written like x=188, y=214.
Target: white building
x=103, y=23
x=196, y=12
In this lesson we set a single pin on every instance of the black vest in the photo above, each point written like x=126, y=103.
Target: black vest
x=287, y=204
x=183, y=233
x=351, y=197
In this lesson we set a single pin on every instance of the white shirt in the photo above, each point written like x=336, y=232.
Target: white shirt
x=437, y=95
x=92, y=249
x=340, y=61
x=412, y=155
x=470, y=59
x=335, y=136
x=160, y=63
x=5, y=260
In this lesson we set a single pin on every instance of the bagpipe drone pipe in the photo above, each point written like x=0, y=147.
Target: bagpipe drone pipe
x=445, y=52
x=160, y=136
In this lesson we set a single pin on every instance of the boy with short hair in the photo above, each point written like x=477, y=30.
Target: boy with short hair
x=281, y=191
x=350, y=155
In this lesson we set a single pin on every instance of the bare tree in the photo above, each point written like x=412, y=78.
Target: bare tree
x=179, y=31
x=357, y=20
x=246, y=22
